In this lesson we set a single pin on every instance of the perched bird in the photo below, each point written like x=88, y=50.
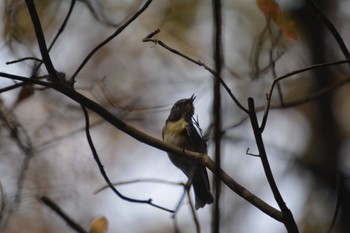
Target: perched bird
x=180, y=131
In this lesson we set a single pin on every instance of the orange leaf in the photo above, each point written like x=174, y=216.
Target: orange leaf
x=98, y=225
x=272, y=10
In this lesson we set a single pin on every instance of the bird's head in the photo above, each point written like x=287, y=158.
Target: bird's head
x=182, y=109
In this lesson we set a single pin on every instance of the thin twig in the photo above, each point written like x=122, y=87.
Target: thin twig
x=186, y=187
x=255, y=51
x=9, y=88
x=273, y=84
x=25, y=79
x=193, y=211
x=23, y=59
x=312, y=97
x=111, y=37
x=273, y=64
x=178, y=206
x=63, y=25
x=145, y=180
x=53, y=206
x=197, y=62
x=294, y=103
x=103, y=172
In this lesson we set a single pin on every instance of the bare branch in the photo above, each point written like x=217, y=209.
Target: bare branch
x=154, y=142
x=111, y=37
x=218, y=58
x=63, y=25
x=23, y=59
x=103, y=172
x=9, y=88
x=149, y=38
x=274, y=83
x=151, y=180
x=288, y=218
x=53, y=206
x=41, y=40
x=193, y=211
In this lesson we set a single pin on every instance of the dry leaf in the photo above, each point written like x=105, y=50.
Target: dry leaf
x=98, y=225
x=272, y=10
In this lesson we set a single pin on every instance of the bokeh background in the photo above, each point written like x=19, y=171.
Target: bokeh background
x=307, y=144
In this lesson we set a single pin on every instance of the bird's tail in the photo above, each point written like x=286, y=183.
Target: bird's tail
x=201, y=188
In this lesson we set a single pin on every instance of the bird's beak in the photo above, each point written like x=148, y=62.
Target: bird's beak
x=193, y=97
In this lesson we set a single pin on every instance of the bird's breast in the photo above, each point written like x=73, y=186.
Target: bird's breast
x=175, y=133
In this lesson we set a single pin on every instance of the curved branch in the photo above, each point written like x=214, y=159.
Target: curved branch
x=330, y=26
x=274, y=83
x=111, y=37
x=154, y=142
x=64, y=23
x=149, y=38
x=53, y=206
x=237, y=188
x=103, y=172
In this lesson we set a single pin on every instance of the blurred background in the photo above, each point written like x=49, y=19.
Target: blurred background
x=43, y=147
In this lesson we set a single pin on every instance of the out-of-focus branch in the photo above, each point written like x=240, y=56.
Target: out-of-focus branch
x=23, y=141
x=145, y=180
x=330, y=26
x=218, y=59
x=304, y=100
x=194, y=213
x=312, y=97
x=2, y=201
x=186, y=192
x=337, y=206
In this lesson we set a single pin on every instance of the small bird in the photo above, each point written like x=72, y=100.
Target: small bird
x=180, y=131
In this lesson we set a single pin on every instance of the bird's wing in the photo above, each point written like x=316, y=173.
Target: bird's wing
x=199, y=145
